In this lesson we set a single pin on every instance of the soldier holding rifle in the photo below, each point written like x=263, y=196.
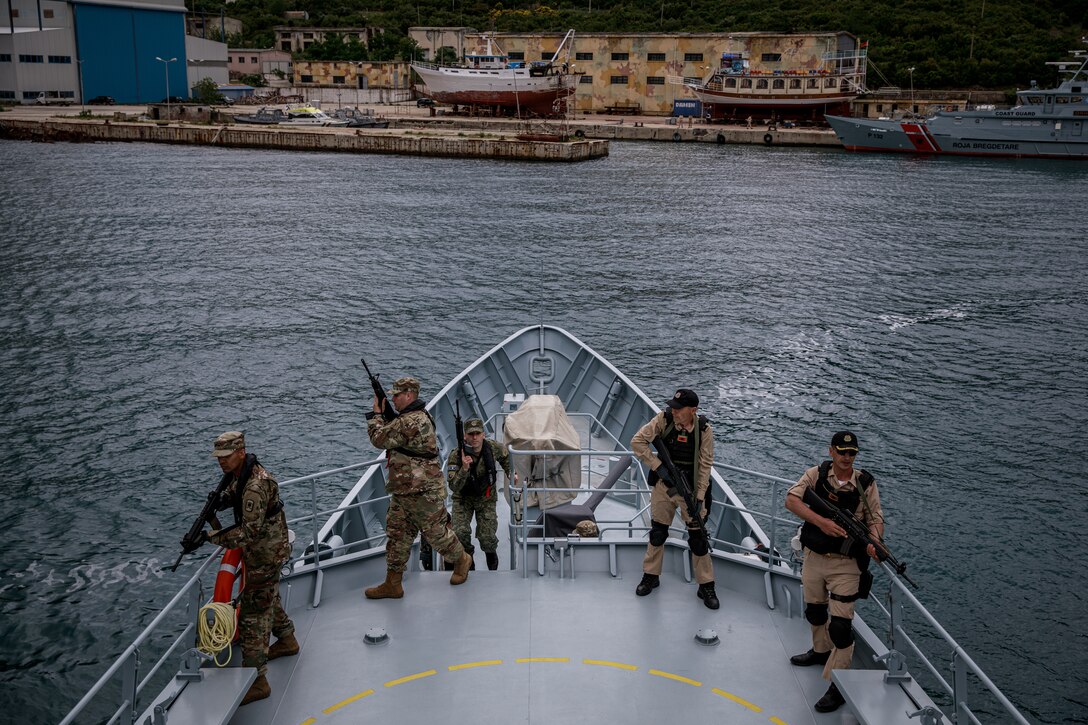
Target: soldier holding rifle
x=688, y=440
x=835, y=566
x=471, y=473
x=414, y=480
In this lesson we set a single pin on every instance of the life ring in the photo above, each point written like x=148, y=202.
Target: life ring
x=768, y=139
x=721, y=138
x=580, y=133
x=676, y=136
x=232, y=568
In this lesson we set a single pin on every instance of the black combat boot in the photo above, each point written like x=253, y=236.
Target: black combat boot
x=812, y=657
x=706, y=593
x=492, y=560
x=648, y=584
x=831, y=701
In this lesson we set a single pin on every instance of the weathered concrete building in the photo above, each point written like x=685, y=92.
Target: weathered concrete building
x=353, y=82
x=265, y=61
x=294, y=40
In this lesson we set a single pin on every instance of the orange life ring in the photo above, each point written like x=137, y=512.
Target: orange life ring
x=232, y=568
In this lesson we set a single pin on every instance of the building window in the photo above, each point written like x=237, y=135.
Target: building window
x=585, y=79
x=67, y=94
x=307, y=36
x=619, y=80
x=286, y=46
x=655, y=80
x=253, y=59
x=655, y=57
x=517, y=55
x=47, y=14
x=583, y=56
x=5, y=57
x=338, y=79
x=30, y=95
x=60, y=59
x=32, y=59
x=229, y=59
x=693, y=57
x=10, y=95
x=772, y=57
x=306, y=79
x=546, y=55
x=619, y=56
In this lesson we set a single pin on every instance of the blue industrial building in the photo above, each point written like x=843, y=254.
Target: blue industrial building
x=130, y=50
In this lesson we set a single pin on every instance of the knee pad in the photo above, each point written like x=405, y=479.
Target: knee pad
x=841, y=631
x=697, y=542
x=816, y=614
x=658, y=533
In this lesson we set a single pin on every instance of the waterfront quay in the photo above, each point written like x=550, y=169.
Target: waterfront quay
x=412, y=131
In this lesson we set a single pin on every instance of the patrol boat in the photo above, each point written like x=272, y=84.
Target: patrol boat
x=557, y=633
x=1045, y=123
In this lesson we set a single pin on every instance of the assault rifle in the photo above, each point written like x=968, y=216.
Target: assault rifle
x=388, y=413
x=195, y=536
x=856, y=530
x=683, y=486
x=459, y=427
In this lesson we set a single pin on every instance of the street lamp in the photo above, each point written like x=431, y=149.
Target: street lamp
x=82, y=100
x=912, y=107
x=166, y=68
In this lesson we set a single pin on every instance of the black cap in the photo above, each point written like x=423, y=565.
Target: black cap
x=683, y=398
x=844, y=440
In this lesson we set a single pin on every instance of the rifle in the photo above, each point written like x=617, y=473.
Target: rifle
x=388, y=412
x=682, y=485
x=856, y=530
x=459, y=427
x=194, y=538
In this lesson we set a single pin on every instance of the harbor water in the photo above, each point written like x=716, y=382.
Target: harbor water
x=153, y=296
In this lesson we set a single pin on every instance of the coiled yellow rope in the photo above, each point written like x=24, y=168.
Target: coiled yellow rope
x=215, y=630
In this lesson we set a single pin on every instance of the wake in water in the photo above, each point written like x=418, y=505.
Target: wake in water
x=41, y=584
x=955, y=312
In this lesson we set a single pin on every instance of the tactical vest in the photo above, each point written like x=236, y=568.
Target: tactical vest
x=683, y=447
x=481, y=478
x=811, y=535
x=411, y=452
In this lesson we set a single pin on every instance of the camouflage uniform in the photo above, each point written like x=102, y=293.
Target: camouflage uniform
x=418, y=499
x=465, y=504
x=261, y=533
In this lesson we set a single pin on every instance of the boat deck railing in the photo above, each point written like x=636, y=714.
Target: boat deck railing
x=899, y=600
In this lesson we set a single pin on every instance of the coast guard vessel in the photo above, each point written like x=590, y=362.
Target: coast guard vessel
x=557, y=633
x=1045, y=123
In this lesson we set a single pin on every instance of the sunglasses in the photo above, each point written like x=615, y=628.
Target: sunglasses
x=847, y=452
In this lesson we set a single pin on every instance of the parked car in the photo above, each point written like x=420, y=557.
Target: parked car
x=424, y=102
x=173, y=99
x=101, y=101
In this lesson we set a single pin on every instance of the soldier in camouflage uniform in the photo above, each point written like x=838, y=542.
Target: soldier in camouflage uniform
x=260, y=530
x=471, y=476
x=414, y=480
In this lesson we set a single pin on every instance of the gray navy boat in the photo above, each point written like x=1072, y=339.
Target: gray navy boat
x=1045, y=123
x=556, y=634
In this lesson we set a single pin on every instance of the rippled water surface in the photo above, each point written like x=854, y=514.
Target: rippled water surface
x=154, y=296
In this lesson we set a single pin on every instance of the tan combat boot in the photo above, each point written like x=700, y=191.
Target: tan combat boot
x=390, y=589
x=284, y=647
x=460, y=569
x=259, y=690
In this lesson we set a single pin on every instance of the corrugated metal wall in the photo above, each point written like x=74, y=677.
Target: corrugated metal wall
x=119, y=46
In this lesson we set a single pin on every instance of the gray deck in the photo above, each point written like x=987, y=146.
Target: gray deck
x=601, y=652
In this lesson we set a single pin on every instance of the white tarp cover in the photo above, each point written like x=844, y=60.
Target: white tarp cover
x=541, y=424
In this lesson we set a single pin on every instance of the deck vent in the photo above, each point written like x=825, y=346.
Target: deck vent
x=707, y=637
x=376, y=635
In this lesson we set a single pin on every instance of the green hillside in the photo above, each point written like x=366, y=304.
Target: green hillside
x=996, y=44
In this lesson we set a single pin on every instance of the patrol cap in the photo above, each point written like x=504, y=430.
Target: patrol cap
x=844, y=440
x=229, y=442
x=474, y=425
x=401, y=385
x=683, y=398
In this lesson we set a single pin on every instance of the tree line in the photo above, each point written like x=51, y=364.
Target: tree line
x=997, y=44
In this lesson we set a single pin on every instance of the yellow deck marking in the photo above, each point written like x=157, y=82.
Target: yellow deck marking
x=543, y=659
x=745, y=703
x=308, y=721
x=333, y=708
x=776, y=721
x=678, y=678
x=606, y=663
x=409, y=678
x=467, y=665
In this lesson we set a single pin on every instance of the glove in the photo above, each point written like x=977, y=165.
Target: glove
x=664, y=476
x=192, y=544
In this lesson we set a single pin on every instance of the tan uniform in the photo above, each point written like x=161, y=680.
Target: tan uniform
x=835, y=574
x=662, y=506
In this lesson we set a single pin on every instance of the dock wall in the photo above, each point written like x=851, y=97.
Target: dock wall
x=462, y=144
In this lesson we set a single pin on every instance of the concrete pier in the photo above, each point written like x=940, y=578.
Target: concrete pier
x=490, y=144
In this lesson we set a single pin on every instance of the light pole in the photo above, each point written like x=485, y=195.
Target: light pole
x=911, y=71
x=82, y=100
x=166, y=68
